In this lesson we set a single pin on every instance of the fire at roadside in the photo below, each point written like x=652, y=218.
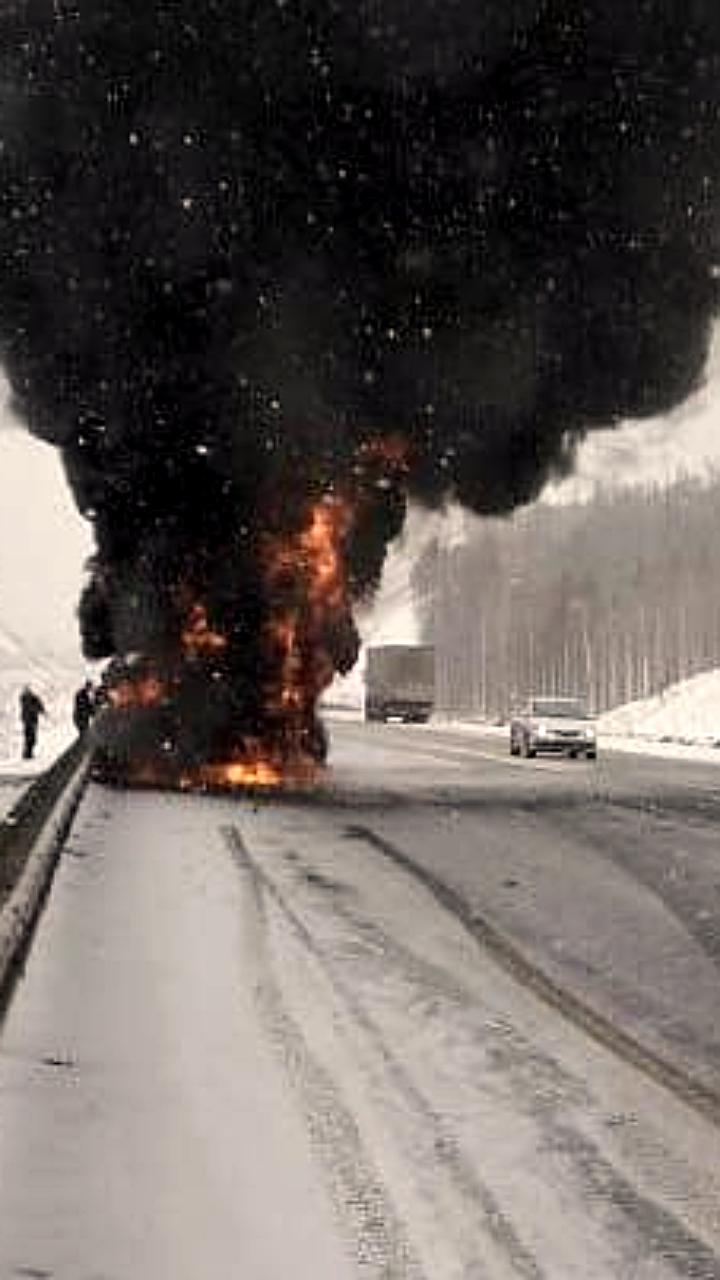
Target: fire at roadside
x=184, y=719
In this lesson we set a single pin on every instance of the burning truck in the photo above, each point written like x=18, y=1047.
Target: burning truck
x=195, y=715
x=198, y=714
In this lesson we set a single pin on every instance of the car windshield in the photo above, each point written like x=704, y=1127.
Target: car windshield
x=564, y=708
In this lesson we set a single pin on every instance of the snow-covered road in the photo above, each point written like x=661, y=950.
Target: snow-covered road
x=147, y=1128
x=249, y=1045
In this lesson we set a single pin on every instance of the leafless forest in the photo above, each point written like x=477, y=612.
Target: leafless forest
x=614, y=599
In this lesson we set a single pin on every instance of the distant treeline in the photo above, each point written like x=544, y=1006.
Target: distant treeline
x=615, y=598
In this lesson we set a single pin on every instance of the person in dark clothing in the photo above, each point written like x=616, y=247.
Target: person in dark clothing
x=84, y=707
x=31, y=708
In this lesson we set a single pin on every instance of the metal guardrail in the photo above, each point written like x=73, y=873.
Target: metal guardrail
x=31, y=837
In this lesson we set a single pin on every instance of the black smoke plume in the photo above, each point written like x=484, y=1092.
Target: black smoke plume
x=242, y=245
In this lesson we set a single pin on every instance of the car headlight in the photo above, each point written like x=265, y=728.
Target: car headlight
x=589, y=733
x=541, y=730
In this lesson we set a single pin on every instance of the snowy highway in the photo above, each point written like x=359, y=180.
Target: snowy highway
x=452, y=1016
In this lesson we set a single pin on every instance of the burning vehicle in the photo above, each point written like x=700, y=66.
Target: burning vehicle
x=147, y=734
x=194, y=716
x=268, y=272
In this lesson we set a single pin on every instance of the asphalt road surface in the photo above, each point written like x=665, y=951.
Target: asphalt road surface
x=452, y=1015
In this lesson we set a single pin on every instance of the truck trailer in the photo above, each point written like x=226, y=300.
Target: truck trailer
x=400, y=682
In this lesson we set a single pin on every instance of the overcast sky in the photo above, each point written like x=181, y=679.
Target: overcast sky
x=44, y=543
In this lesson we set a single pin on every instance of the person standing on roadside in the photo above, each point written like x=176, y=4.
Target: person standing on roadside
x=31, y=708
x=84, y=707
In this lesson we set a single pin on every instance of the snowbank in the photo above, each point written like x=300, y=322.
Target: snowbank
x=688, y=712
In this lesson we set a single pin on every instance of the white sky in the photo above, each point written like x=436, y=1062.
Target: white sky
x=44, y=543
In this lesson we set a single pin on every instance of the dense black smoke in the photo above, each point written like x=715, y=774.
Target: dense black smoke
x=241, y=241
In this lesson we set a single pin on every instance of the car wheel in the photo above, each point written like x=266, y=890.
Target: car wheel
x=591, y=755
x=572, y=755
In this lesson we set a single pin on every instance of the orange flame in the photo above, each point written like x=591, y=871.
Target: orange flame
x=308, y=567
x=251, y=773
x=307, y=592
x=260, y=772
x=306, y=586
x=143, y=691
x=320, y=545
x=198, y=637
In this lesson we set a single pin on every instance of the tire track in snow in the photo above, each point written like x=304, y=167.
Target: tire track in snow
x=691, y=1092
x=464, y=1194
x=381, y=1248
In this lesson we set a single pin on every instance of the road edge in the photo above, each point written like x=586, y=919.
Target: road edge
x=22, y=907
